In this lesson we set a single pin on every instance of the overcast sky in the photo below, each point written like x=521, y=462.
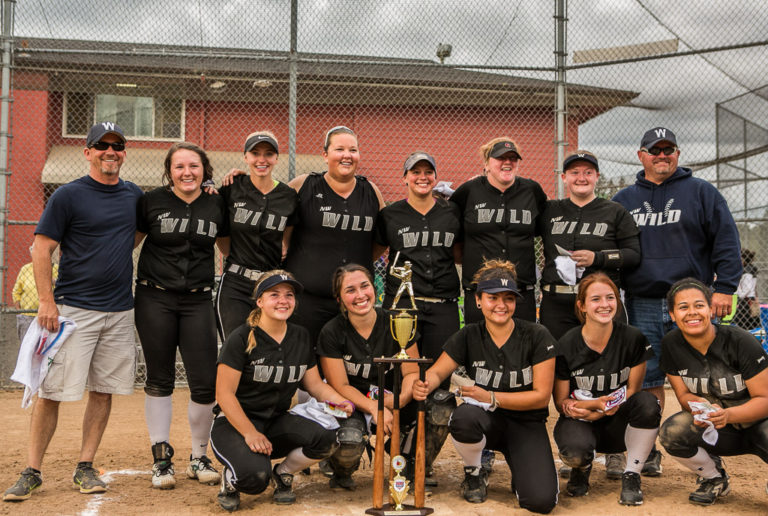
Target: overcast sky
x=680, y=93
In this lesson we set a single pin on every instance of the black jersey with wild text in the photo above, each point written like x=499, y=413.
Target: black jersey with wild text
x=427, y=242
x=178, y=251
x=505, y=369
x=734, y=357
x=598, y=226
x=257, y=222
x=271, y=372
x=339, y=339
x=330, y=231
x=498, y=224
x=601, y=373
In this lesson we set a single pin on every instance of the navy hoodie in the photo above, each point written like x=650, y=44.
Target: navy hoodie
x=686, y=229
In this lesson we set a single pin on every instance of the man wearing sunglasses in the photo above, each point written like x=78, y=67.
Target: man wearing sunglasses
x=93, y=219
x=686, y=230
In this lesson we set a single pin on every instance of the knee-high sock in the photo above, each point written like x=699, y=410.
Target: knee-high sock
x=701, y=464
x=295, y=461
x=639, y=442
x=200, y=419
x=470, y=452
x=157, y=412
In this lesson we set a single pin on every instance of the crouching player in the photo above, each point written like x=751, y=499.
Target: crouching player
x=719, y=376
x=260, y=367
x=599, y=374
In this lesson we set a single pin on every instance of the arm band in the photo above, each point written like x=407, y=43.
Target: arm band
x=612, y=259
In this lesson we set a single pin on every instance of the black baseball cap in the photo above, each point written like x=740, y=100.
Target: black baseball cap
x=502, y=147
x=277, y=279
x=496, y=285
x=417, y=156
x=580, y=155
x=656, y=135
x=98, y=131
x=256, y=139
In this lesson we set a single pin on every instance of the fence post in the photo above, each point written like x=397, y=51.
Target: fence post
x=561, y=54
x=5, y=92
x=292, y=92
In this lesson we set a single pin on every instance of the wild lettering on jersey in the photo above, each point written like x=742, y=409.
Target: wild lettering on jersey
x=503, y=216
x=181, y=225
x=274, y=374
x=570, y=227
x=649, y=217
x=427, y=239
x=723, y=386
x=346, y=222
x=600, y=382
x=252, y=217
x=516, y=379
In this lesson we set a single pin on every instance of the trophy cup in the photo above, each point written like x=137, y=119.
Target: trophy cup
x=403, y=325
x=403, y=328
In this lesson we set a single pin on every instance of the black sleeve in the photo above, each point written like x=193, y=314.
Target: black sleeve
x=232, y=351
x=380, y=229
x=628, y=238
x=641, y=348
x=752, y=357
x=668, y=343
x=545, y=344
x=329, y=341
x=562, y=371
x=222, y=205
x=456, y=346
x=141, y=218
x=541, y=204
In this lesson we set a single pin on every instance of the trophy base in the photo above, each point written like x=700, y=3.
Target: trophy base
x=408, y=510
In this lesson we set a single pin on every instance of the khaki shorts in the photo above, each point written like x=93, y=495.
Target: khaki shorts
x=100, y=355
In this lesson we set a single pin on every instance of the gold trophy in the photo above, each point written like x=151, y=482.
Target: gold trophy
x=403, y=325
x=398, y=486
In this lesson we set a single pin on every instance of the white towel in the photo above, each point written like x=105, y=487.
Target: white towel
x=36, y=355
x=567, y=270
x=710, y=434
x=315, y=411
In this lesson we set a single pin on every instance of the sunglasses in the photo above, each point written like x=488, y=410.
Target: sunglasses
x=655, y=151
x=102, y=146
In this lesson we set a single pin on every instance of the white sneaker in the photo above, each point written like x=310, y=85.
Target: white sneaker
x=203, y=471
x=162, y=475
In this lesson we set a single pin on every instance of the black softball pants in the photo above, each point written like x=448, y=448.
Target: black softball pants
x=234, y=302
x=681, y=438
x=251, y=471
x=526, y=448
x=168, y=320
x=578, y=440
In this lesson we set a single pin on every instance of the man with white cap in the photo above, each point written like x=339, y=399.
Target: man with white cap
x=93, y=219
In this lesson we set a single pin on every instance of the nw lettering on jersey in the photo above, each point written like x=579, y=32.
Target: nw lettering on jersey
x=242, y=216
x=342, y=221
x=485, y=216
x=274, y=374
x=439, y=239
x=561, y=227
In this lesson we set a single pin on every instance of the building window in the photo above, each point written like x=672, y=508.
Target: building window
x=142, y=118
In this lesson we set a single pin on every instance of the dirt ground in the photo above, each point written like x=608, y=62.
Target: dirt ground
x=125, y=459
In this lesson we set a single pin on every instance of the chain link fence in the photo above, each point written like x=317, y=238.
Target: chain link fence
x=443, y=76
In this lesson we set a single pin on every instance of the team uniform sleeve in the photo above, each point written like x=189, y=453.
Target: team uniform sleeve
x=232, y=351
x=456, y=346
x=541, y=204
x=562, y=371
x=545, y=345
x=752, y=357
x=666, y=360
x=329, y=341
x=380, y=229
x=55, y=218
x=142, y=224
